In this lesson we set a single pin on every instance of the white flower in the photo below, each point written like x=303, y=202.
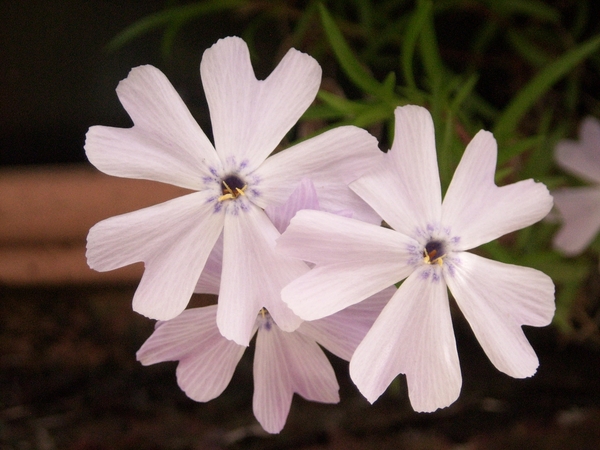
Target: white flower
x=427, y=243
x=234, y=181
x=579, y=207
x=284, y=362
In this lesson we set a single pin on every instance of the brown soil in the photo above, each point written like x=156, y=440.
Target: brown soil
x=69, y=380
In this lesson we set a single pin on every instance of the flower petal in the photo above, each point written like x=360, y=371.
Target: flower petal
x=253, y=275
x=210, y=279
x=404, y=188
x=251, y=117
x=303, y=197
x=173, y=239
x=354, y=260
x=206, y=359
x=331, y=160
x=497, y=299
x=340, y=200
x=285, y=363
x=582, y=158
x=580, y=212
x=478, y=211
x=165, y=144
x=341, y=332
x=413, y=335
x=325, y=238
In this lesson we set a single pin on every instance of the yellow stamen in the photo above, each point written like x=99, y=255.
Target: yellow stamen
x=429, y=258
x=230, y=194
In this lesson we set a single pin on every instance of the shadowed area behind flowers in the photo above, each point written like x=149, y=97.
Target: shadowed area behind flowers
x=69, y=380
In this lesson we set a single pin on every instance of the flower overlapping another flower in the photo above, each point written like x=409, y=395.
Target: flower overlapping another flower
x=326, y=277
x=284, y=362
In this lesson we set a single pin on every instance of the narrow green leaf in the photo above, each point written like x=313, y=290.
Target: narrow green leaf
x=389, y=84
x=509, y=119
x=177, y=14
x=303, y=24
x=532, y=53
x=375, y=113
x=409, y=43
x=463, y=92
x=430, y=53
x=322, y=112
x=343, y=105
x=532, y=8
x=350, y=64
x=507, y=152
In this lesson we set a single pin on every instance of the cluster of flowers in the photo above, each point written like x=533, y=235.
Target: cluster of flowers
x=293, y=245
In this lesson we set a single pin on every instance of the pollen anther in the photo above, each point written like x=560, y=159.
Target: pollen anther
x=431, y=257
x=229, y=194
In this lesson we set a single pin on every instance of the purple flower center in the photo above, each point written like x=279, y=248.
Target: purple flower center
x=233, y=187
x=265, y=320
x=434, y=251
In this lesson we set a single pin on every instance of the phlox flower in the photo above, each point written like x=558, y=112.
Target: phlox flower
x=579, y=207
x=284, y=362
x=426, y=244
x=233, y=181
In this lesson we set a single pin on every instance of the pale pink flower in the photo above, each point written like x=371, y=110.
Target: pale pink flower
x=234, y=181
x=427, y=243
x=579, y=207
x=284, y=362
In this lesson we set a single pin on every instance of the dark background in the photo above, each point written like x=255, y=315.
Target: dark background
x=57, y=78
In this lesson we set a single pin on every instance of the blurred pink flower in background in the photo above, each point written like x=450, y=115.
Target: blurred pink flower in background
x=579, y=207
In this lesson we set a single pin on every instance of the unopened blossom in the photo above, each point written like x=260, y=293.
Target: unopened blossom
x=427, y=244
x=579, y=207
x=233, y=181
x=284, y=362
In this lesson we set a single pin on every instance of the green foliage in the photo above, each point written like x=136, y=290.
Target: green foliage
x=527, y=70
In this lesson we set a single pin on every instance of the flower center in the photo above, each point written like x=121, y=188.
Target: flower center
x=233, y=187
x=434, y=252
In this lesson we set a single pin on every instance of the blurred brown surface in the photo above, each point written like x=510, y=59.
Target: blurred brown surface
x=69, y=380
x=46, y=213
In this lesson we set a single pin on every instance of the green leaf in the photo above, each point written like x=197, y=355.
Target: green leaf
x=303, y=25
x=374, y=114
x=463, y=92
x=341, y=104
x=179, y=14
x=409, y=43
x=556, y=267
x=355, y=71
x=531, y=8
x=507, y=152
x=524, y=100
x=532, y=53
x=322, y=112
x=430, y=53
x=389, y=84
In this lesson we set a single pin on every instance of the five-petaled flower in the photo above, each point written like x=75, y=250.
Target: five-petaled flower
x=579, y=207
x=427, y=243
x=234, y=181
x=284, y=362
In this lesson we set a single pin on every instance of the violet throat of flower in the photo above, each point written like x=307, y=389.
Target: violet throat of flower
x=434, y=252
x=266, y=318
x=232, y=188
